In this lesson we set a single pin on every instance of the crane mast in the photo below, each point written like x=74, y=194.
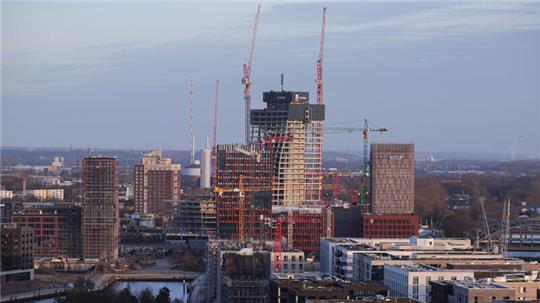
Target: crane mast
x=247, y=76
x=319, y=80
x=365, y=165
x=320, y=92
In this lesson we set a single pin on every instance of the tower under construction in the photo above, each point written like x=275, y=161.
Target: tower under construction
x=292, y=127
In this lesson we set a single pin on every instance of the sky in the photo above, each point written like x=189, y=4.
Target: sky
x=448, y=76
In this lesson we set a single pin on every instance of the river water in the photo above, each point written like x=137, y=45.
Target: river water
x=176, y=288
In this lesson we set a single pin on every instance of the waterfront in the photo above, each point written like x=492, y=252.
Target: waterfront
x=177, y=288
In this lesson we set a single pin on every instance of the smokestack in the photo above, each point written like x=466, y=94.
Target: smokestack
x=206, y=160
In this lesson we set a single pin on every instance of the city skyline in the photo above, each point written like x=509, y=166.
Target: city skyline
x=447, y=76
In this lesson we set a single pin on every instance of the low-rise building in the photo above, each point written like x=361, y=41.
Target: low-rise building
x=469, y=291
x=291, y=261
x=413, y=280
x=17, y=253
x=302, y=287
x=48, y=194
x=6, y=194
x=57, y=228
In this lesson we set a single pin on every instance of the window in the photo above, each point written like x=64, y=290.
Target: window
x=415, y=280
x=415, y=290
x=454, y=278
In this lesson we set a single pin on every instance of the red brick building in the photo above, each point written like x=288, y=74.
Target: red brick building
x=254, y=163
x=156, y=179
x=390, y=226
x=57, y=229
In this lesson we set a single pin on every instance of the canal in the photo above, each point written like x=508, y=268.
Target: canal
x=177, y=288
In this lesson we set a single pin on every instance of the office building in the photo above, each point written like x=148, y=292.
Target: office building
x=244, y=200
x=390, y=226
x=304, y=226
x=303, y=288
x=49, y=194
x=57, y=228
x=100, y=221
x=392, y=178
x=237, y=274
x=17, y=251
x=196, y=214
x=469, y=291
x=292, y=127
x=347, y=221
x=156, y=179
x=412, y=281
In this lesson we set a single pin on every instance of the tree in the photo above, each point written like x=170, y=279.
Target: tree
x=164, y=296
x=125, y=296
x=146, y=296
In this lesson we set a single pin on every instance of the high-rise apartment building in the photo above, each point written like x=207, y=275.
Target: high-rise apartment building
x=253, y=164
x=392, y=178
x=156, y=179
x=293, y=128
x=100, y=221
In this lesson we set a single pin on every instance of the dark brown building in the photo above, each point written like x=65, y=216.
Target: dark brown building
x=100, y=221
x=252, y=163
x=57, y=228
x=301, y=289
x=156, y=179
x=392, y=178
x=17, y=252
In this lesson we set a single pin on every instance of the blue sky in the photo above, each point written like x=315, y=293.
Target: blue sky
x=449, y=76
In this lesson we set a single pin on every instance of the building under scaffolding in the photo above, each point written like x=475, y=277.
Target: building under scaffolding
x=293, y=128
x=196, y=214
x=304, y=226
x=100, y=221
x=253, y=164
x=236, y=273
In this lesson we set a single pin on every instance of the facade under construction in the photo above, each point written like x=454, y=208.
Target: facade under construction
x=100, y=222
x=293, y=129
x=244, y=192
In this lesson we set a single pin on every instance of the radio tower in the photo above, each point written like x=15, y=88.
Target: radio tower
x=191, y=137
x=247, y=75
x=214, y=147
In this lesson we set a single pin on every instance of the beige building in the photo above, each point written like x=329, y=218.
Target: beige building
x=56, y=194
x=156, y=179
x=392, y=178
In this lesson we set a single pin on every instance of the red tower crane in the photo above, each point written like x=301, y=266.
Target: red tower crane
x=247, y=75
x=320, y=90
x=319, y=80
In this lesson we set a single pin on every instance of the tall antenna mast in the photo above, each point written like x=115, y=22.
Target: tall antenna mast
x=247, y=75
x=191, y=138
x=215, y=133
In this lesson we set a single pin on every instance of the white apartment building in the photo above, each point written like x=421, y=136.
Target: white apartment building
x=337, y=254
x=412, y=281
x=49, y=194
x=292, y=262
x=6, y=194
